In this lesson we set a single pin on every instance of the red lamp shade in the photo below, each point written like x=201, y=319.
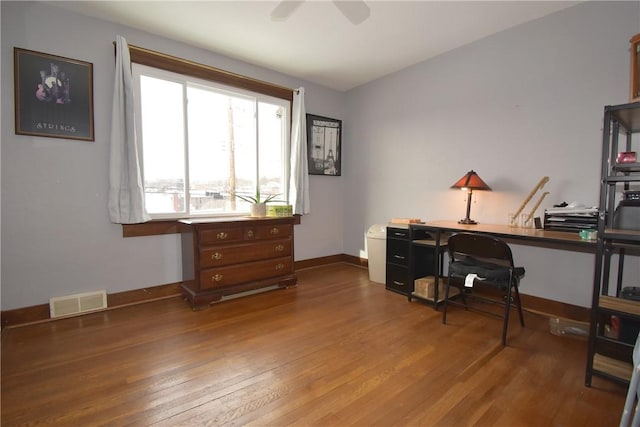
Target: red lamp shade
x=471, y=181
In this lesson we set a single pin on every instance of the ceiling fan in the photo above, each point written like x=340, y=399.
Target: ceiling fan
x=355, y=11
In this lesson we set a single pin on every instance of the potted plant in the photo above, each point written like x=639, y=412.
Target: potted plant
x=258, y=205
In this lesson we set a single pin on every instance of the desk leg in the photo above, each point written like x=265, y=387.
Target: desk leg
x=436, y=272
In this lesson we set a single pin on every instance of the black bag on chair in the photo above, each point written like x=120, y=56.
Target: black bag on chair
x=485, y=270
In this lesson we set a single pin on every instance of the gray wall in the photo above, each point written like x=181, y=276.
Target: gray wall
x=56, y=236
x=515, y=106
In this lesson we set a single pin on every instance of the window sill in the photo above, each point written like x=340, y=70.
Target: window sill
x=151, y=228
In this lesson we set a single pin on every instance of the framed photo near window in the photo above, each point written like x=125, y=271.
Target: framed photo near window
x=53, y=96
x=323, y=145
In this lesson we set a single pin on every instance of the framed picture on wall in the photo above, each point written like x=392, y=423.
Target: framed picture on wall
x=53, y=96
x=324, y=145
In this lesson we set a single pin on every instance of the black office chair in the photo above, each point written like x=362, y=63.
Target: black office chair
x=491, y=260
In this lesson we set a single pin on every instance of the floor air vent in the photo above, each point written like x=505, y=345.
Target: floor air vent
x=76, y=304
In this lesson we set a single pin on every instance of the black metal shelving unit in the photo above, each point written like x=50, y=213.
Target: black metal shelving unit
x=615, y=320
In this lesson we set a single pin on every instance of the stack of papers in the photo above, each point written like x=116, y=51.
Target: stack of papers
x=572, y=211
x=571, y=218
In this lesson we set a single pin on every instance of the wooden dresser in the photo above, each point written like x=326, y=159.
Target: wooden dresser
x=231, y=255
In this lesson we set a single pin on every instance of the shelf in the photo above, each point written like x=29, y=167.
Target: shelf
x=620, y=305
x=609, y=343
x=431, y=242
x=628, y=115
x=453, y=291
x=627, y=167
x=613, y=179
x=613, y=367
x=622, y=235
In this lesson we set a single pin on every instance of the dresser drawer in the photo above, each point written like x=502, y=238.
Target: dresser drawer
x=211, y=236
x=240, y=273
x=244, y=252
x=398, y=233
x=398, y=251
x=276, y=231
x=398, y=279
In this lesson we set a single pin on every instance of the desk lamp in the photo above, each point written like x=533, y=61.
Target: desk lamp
x=471, y=181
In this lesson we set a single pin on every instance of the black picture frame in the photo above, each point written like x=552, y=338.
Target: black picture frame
x=53, y=96
x=324, y=145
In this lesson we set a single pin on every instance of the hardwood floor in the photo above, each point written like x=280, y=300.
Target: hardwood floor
x=336, y=350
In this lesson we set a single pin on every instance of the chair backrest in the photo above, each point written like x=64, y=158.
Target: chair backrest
x=481, y=247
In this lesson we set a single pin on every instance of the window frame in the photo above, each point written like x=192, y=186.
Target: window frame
x=166, y=62
x=217, y=77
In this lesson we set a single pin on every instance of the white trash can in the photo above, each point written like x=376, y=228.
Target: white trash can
x=377, y=252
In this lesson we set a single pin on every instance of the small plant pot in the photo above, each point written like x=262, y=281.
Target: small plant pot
x=259, y=210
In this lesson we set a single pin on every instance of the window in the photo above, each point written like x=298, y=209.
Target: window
x=204, y=142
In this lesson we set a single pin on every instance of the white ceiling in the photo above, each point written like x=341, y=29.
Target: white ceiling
x=317, y=43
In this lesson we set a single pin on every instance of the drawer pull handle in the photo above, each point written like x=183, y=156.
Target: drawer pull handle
x=398, y=283
x=217, y=278
x=398, y=256
x=399, y=234
x=274, y=231
x=217, y=255
x=279, y=266
x=279, y=248
x=250, y=233
x=222, y=235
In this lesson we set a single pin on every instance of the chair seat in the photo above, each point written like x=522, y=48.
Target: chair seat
x=494, y=273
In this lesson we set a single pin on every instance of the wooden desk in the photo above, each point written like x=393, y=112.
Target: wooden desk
x=440, y=230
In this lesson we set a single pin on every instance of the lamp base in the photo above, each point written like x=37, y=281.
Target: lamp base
x=467, y=221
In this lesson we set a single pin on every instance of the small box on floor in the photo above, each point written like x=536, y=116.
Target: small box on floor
x=424, y=286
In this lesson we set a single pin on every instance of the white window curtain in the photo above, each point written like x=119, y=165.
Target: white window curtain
x=299, y=182
x=126, y=192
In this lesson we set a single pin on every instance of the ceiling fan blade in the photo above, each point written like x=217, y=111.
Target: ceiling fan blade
x=284, y=9
x=356, y=11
